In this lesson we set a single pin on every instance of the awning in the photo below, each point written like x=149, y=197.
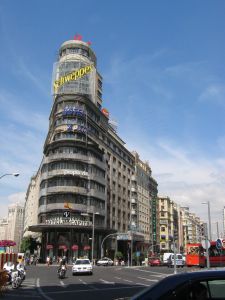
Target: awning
x=75, y=247
x=62, y=247
x=49, y=247
x=87, y=248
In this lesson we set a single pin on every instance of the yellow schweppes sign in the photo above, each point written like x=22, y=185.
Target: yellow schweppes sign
x=72, y=76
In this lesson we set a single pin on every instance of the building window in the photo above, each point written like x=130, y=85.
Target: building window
x=163, y=229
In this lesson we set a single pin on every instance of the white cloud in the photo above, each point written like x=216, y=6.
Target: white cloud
x=187, y=177
x=10, y=199
x=214, y=93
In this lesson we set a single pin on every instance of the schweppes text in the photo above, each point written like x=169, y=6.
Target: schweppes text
x=72, y=76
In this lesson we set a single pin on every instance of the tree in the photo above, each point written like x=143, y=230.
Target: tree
x=119, y=255
x=28, y=243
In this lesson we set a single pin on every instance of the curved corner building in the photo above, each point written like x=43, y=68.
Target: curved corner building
x=84, y=186
x=73, y=183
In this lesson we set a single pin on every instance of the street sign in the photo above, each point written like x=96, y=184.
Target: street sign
x=223, y=243
x=122, y=237
x=66, y=214
x=205, y=244
x=219, y=244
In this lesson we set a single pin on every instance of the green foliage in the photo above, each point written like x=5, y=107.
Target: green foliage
x=119, y=255
x=28, y=244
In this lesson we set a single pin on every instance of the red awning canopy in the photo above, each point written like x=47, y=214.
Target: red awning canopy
x=75, y=247
x=87, y=248
x=7, y=243
x=62, y=247
x=49, y=247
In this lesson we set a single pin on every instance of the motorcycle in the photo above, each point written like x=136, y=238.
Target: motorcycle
x=16, y=279
x=21, y=271
x=62, y=272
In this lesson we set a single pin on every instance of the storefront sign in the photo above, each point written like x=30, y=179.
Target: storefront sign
x=76, y=74
x=76, y=127
x=69, y=221
x=75, y=172
x=73, y=111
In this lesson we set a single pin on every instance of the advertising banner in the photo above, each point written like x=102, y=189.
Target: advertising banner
x=74, y=77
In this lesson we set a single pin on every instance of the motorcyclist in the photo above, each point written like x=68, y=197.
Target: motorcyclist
x=62, y=263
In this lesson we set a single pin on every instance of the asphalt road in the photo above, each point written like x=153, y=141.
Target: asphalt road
x=106, y=283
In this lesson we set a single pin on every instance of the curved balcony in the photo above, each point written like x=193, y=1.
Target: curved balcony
x=133, y=189
x=133, y=201
x=75, y=156
x=133, y=212
x=72, y=189
x=46, y=208
x=81, y=174
x=133, y=178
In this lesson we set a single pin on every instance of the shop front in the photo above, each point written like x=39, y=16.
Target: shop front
x=72, y=242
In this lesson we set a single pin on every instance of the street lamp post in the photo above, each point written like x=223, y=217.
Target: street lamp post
x=14, y=174
x=93, y=236
x=209, y=220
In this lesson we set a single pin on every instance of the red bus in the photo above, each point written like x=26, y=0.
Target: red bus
x=196, y=255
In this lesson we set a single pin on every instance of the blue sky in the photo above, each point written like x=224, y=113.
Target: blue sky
x=163, y=69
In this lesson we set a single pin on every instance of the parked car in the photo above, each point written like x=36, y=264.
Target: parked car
x=82, y=266
x=179, y=260
x=105, y=261
x=201, y=285
x=154, y=261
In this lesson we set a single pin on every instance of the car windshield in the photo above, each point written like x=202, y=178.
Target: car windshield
x=82, y=262
x=9, y=264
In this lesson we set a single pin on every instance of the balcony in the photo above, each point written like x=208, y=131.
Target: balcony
x=133, y=212
x=133, y=201
x=133, y=189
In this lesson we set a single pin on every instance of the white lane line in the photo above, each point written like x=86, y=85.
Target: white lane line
x=117, y=277
x=137, y=283
x=106, y=282
x=127, y=280
x=155, y=280
x=40, y=290
x=82, y=281
x=63, y=284
x=89, y=285
x=152, y=272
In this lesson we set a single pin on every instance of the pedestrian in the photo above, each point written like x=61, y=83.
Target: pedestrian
x=48, y=261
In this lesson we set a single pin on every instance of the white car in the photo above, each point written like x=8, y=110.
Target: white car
x=82, y=266
x=105, y=261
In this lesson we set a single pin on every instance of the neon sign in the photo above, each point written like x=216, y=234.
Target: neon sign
x=72, y=76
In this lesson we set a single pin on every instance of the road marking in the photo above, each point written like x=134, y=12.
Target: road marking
x=40, y=290
x=127, y=280
x=82, y=281
x=97, y=289
x=137, y=283
x=63, y=284
x=117, y=277
x=155, y=280
x=106, y=282
x=153, y=272
x=89, y=285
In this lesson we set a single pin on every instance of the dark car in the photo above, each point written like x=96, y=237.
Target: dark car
x=154, y=261
x=200, y=285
